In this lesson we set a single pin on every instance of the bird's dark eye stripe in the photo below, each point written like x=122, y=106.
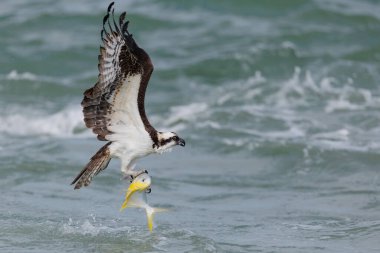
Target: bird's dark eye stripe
x=163, y=142
x=175, y=138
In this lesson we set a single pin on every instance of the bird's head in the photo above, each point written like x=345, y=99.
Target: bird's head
x=167, y=140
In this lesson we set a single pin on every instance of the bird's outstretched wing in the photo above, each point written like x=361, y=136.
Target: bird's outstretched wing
x=116, y=102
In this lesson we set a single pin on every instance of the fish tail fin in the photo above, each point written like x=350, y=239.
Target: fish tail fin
x=150, y=214
x=123, y=206
x=97, y=163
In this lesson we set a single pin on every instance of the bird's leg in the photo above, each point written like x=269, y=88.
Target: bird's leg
x=131, y=174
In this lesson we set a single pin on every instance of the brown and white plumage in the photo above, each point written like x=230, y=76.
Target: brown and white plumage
x=114, y=107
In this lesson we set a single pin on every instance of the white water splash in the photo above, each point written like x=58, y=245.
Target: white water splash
x=65, y=123
x=90, y=227
x=305, y=91
x=299, y=109
x=14, y=75
x=186, y=112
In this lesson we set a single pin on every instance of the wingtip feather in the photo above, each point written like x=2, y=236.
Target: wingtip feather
x=110, y=6
x=121, y=18
x=105, y=19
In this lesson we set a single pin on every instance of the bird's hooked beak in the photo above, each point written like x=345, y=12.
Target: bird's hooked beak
x=181, y=142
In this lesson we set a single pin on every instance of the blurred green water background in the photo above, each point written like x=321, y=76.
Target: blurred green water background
x=277, y=100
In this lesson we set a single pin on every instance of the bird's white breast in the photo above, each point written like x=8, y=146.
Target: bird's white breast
x=130, y=139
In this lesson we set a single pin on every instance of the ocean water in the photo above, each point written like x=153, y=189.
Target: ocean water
x=278, y=102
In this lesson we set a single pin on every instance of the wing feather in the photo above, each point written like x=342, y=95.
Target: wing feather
x=124, y=71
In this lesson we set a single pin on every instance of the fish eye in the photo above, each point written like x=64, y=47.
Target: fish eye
x=143, y=180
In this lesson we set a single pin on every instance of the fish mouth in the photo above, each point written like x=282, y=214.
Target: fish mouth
x=181, y=142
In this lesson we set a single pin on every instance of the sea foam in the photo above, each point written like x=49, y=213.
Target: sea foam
x=65, y=123
x=14, y=75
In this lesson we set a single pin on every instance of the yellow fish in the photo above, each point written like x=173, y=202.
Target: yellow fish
x=136, y=197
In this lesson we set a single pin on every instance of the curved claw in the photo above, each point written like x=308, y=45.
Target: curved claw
x=138, y=173
x=149, y=190
x=133, y=175
x=128, y=177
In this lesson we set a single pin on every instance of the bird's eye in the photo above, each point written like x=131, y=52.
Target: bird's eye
x=175, y=138
x=143, y=180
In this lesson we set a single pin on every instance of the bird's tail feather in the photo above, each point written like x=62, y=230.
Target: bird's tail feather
x=97, y=163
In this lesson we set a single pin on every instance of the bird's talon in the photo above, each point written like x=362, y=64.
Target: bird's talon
x=128, y=177
x=149, y=190
x=131, y=177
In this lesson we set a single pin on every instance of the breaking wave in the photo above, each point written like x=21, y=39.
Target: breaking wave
x=247, y=113
x=14, y=75
x=302, y=109
x=65, y=123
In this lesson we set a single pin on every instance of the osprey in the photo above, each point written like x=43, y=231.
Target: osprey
x=114, y=107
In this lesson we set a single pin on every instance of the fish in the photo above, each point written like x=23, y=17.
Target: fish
x=136, y=196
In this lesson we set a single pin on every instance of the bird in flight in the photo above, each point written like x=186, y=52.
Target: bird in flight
x=114, y=107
